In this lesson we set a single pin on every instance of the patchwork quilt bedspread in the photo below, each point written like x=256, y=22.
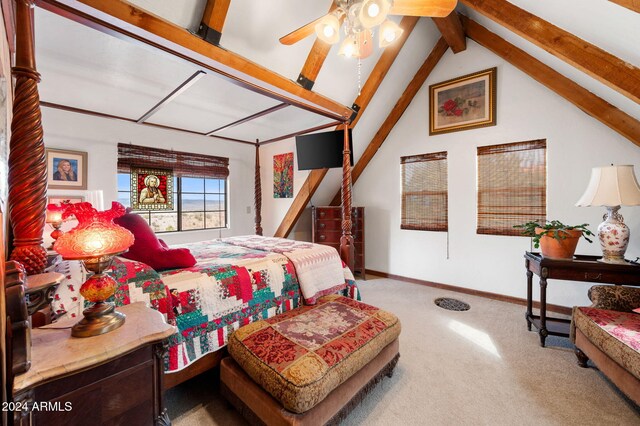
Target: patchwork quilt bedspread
x=233, y=284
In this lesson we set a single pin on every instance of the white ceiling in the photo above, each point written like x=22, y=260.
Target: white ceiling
x=86, y=69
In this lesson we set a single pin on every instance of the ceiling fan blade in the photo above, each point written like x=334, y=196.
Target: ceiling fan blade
x=432, y=8
x=300, y=33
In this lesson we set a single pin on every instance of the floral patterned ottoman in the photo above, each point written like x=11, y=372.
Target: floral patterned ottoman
x=301, y=356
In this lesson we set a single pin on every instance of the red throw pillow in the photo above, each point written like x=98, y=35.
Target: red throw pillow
x=148, y=249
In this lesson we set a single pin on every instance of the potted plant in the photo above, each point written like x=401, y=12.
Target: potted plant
x=554, y=238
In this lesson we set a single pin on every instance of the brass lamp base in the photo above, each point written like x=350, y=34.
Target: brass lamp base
x=98, y=319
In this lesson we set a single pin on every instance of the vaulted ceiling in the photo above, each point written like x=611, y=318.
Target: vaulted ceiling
x=87, y=70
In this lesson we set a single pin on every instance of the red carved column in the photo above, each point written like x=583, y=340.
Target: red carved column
x=27, y=163
x=347, y=249
x=258, y=193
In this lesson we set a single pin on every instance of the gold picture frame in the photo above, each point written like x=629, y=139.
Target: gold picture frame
x=463, y=103
x=151, y=189
x=66, y=169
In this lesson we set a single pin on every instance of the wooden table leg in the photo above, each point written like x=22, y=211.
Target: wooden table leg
x=543, y=306
x=529, y=312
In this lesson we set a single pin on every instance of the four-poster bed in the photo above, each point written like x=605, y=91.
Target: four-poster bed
x=27, y=175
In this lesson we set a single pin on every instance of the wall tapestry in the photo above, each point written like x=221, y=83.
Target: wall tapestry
x=463, y=103
x=66, y=169
x=151, y=189
x=283, y=175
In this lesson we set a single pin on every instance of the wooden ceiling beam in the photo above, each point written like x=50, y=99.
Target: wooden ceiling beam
x=591, y=104
x=315, y=60
x=451, y=29
x=603, y=66
x=315, y=177
x=215, y=13
x=379, y=72
x=397, y=111
x=123, y=18
x=629, y=4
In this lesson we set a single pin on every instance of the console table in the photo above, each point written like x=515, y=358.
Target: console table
x=581, y=268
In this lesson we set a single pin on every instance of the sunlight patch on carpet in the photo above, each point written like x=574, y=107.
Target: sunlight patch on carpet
x=474, y=335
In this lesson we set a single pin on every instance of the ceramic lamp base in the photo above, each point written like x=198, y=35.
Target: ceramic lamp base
x=98, y=319
x=614, y=236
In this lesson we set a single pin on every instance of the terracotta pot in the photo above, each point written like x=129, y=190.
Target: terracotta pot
x=559, y=249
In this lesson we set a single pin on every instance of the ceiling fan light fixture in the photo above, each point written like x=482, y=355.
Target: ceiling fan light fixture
x=389, y=32
x=328, y=29
x=349, y=48
x=373, y=12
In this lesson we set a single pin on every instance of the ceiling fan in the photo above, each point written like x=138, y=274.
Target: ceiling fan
x=361, y=16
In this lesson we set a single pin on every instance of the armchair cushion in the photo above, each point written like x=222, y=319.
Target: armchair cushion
x=616, y=298
x=615, y=333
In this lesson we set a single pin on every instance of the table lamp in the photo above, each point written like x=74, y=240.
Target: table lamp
x=54, y=218
x=95, y=241
x=612, y=187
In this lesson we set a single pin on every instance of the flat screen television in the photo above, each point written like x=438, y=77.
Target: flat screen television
x=322, y=150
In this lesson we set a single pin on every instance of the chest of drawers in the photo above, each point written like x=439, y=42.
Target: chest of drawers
x=327, y=229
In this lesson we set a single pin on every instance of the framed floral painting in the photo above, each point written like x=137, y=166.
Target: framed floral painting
x=463, y=103
x=151, y=189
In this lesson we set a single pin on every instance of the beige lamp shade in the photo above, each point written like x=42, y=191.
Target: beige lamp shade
x=611, y=186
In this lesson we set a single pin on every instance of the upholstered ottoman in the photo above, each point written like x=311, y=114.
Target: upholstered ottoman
x=309, y=365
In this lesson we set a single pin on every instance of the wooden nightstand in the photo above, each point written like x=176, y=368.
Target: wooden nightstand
x=114, y=378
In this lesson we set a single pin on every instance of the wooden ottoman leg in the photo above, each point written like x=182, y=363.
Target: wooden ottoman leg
x=582, y=358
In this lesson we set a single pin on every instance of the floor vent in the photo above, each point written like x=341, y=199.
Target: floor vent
x=451, y=304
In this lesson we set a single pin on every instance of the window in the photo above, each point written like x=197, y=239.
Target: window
x=424, y=192
x=512, y=186
x=199, y=203
x=199, y=187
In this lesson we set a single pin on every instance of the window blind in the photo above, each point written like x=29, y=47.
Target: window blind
x=183, y=164
x=512, y=186
x=424, y=192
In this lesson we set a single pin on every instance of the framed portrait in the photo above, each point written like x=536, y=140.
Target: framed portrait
x=151, y=189
x=463, y=103
x=66, y=169
x=65, y=199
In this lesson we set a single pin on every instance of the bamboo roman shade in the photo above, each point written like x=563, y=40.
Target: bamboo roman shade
x=512, y=186
x=183, y=164
x=424, y=192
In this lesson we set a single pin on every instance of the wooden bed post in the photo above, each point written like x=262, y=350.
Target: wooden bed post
x=258, y=192
x=27, y=163
x=347, y=252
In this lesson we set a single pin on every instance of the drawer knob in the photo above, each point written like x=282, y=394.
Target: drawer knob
x=322, y=225
x=322, y=214
x=322, y=237
x=592, y=277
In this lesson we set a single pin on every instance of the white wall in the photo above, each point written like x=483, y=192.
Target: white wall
x=274, y=209
x=99, y=137
x=526, y=110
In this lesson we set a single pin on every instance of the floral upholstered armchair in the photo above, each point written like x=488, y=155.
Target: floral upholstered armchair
x=608, y=334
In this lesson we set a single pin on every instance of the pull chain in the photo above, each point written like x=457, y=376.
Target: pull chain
x=359, y=76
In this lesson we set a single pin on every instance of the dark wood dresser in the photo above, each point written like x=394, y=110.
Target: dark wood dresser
x=327, y=229
x=111, y=379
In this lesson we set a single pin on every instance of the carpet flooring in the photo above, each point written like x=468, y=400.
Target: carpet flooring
x=476, y=367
